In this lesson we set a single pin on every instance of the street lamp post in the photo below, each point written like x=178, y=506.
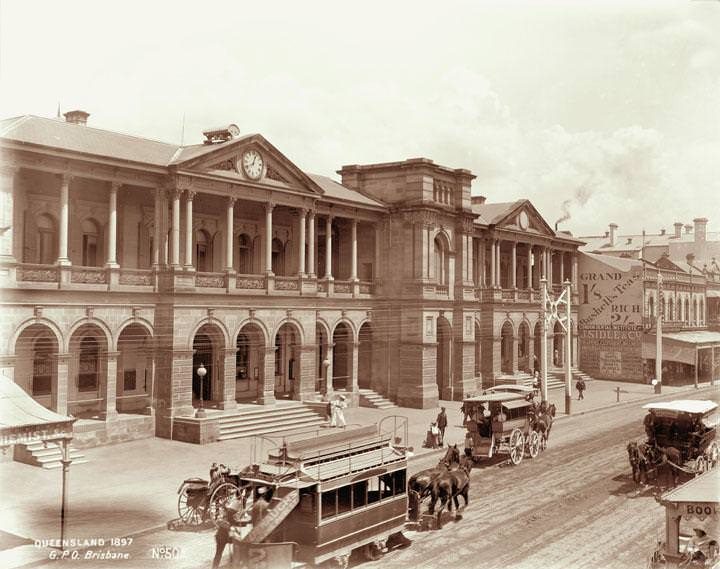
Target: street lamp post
x=202, y=372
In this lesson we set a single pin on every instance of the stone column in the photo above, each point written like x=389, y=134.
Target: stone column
x=562, y=267
x=175, y=253
x=328, y=247
x=227, y=381
x=157, y=229
x=110, y=410
x=189, y=197
x=63, y=258
x=328, y=371
x=513, y=279
x=482, y=277
x=493, y=266
x=353, y=260
x=529, y=267
x=230, y=233
x=267, y=397
x=550, y=268
x=574, y=275
x=311, y=243
x=378, y=254
x=61, y=384
x=112, y=227
x=7, y=214
x=301, y=244
x=498, y=267
x=354, y=367
x=268, y=237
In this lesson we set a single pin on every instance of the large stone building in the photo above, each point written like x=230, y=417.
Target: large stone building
x=127, y=263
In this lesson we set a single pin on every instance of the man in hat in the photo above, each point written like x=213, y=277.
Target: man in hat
x=442, y=424
x=222, y=535
x=260, y=506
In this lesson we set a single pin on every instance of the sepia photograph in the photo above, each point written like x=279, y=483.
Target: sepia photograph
x=382, y=284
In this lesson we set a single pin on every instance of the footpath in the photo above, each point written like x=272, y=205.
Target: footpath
x=130, y=489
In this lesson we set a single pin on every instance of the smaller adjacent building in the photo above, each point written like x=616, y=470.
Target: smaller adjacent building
x=620, y=299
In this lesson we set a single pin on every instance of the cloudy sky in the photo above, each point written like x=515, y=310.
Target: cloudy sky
x=614, y=106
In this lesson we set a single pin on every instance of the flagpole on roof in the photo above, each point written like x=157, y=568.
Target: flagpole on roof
x=182, y=133
x=58, y=111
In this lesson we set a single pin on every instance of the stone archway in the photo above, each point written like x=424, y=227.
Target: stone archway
x=507, y=345
x=523, y=347
x=134, y=369
x=342, y=357
x=87, y=372
x=249, y=363
x=36, y=350
x=208, y=350
x=365, y=356
x=443, y=368
x=287, y=361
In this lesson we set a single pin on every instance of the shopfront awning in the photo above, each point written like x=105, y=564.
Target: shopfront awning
x=24, y=420
x=681, y=346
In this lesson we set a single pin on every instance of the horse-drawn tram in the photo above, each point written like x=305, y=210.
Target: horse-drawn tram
x=331, y=493
x=691, y=524
x=505, y=423
x=680, y=435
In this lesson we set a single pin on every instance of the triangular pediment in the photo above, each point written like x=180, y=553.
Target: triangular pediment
x=226, y=160
x=523, y=217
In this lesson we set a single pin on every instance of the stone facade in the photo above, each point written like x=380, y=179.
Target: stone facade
x=130, y=265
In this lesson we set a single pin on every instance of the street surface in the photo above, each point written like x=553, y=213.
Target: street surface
x=575, y=506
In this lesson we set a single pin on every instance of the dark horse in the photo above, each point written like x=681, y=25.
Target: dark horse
x=542, y=420
x=639, y=461
x=646, y=458
x=420, y=484
x=450, y=484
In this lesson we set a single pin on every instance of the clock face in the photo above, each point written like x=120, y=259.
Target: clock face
x=252, y=164
x=523, y=219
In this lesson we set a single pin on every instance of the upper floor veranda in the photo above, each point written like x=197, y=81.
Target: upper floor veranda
x=85, y=209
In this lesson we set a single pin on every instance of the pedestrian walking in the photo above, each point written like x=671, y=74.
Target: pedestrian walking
x=433, y=436
x=580, y=386
x=442, y=424
x=337, y=416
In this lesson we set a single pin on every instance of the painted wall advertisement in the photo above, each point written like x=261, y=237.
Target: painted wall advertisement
x=610, y=317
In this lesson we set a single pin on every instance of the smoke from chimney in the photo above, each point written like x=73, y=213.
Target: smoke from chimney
x=580, y=196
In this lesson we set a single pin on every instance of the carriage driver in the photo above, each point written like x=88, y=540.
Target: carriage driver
x=649, y=423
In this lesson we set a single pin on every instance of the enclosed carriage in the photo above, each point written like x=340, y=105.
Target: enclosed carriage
x=690, y=426
x=501, y=423
x=332, y=493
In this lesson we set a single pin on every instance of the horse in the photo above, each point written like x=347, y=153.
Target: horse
x=542, y=419
x=638, y=462
x=420, y=484
x=670, y=458
x=450, y=484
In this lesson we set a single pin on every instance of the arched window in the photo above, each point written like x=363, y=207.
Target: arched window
x=671, y=309
x=203, y=252
x=687, y=310
x=246, y=254
x=278, y=257
x=89, y=368
x=701, y=315
x=442, y=262
x=651, y=307
x=695, y=312
x=90, y=244
x=45, y=240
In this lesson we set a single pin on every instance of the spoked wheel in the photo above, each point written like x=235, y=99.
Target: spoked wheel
x=533, y=444
x=701, y=464
x=372, y=551
x=517, y=446
x=191, y=507
x=221, y=496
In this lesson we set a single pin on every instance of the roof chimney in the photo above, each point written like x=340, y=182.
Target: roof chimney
x=678, y=228
x=700, y=229
x=688, y=229
x=76, y=117
x=477, y=200
x=613, y=227
x=662, y=232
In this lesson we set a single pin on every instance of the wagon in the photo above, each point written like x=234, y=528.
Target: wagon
x=690, y=426
x=201, y=501
x=333, y=493
x=501, y=423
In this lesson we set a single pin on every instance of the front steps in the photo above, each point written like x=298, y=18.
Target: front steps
x=258, y=420
x=37, y=454
x=373, y=400
x=524, y=378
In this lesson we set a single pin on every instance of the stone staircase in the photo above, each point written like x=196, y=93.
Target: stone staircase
x=36, y=454
x=261, y=420
x=524, y=378
x=372, y=399
x=559, y=374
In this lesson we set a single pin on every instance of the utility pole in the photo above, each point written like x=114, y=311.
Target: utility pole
x=568, y=350
x=543, y=341
x=658, y=336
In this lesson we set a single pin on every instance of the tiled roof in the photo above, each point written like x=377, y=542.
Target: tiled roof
x=55, y=133
x=334, y=190
x=616, y=262
x=493, y=212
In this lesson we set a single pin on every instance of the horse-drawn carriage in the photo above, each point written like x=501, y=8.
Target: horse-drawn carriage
x=331, y=493
x=201, y=501
x=680, y=435
x=504, y=422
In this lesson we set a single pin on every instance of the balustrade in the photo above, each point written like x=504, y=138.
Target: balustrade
x=38, y=273
x=287, y=283
x=89, y=275
x=210, y=280
x=136, y=277
x=343, y=287
x=250, y=282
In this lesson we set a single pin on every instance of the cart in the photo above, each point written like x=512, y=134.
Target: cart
x=201, y=501
x=501, y=423
x=333, y=492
